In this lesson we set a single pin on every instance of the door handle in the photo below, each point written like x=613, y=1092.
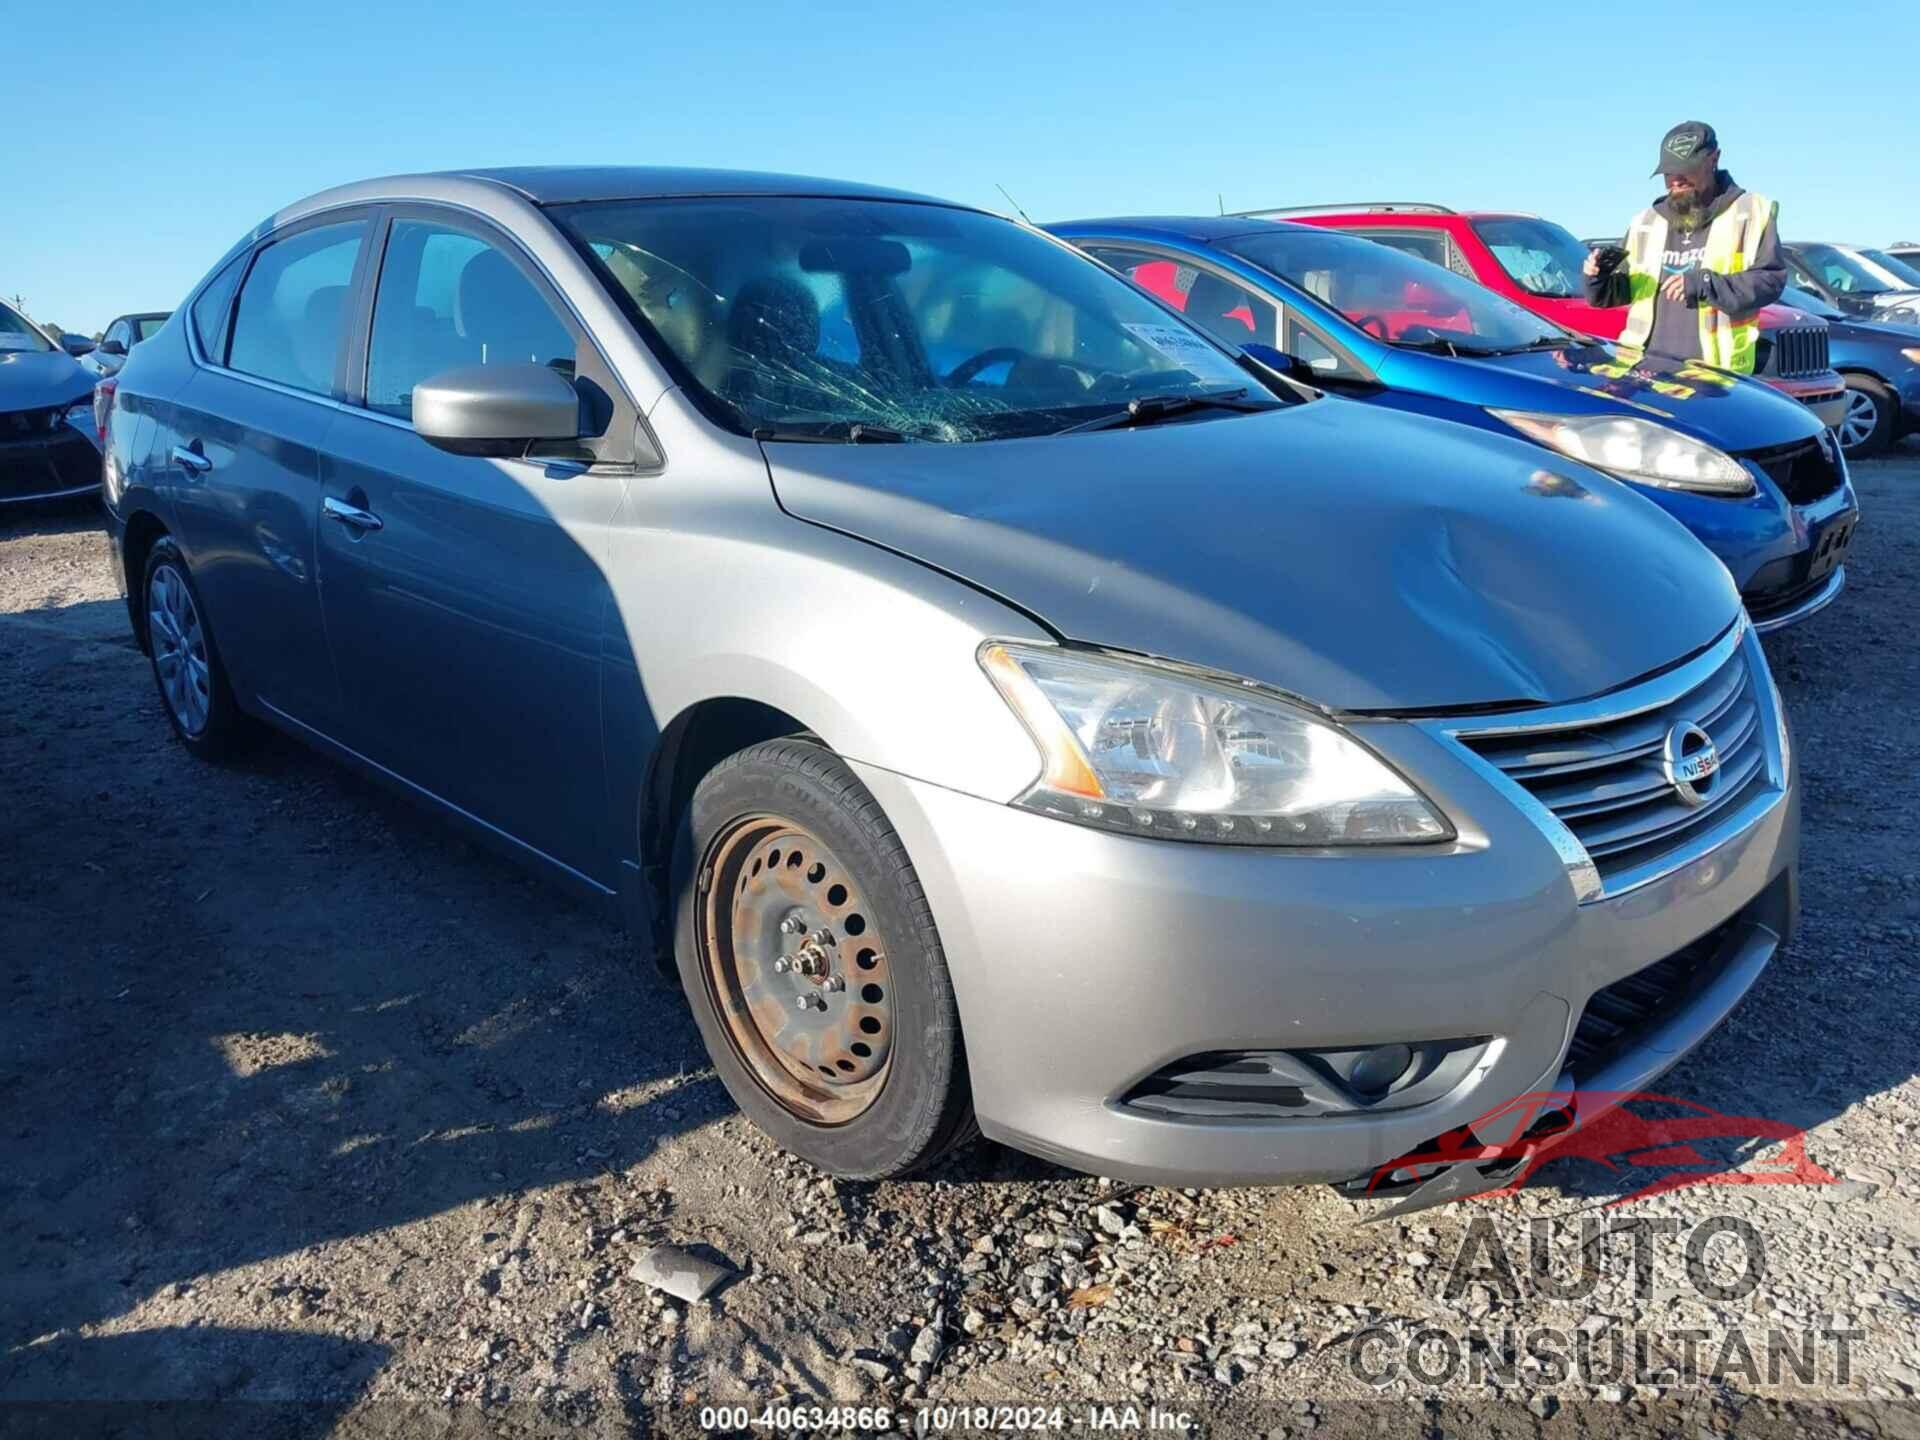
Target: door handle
x=352, y=516
x=191, y=460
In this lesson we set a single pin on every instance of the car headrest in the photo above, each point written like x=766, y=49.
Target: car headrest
x=774, y=317
x=1211, y=298
x=495, y=303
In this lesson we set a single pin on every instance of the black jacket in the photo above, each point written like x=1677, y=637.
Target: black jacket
x=1739, y=294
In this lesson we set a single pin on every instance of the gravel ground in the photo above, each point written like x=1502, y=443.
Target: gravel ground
x=308, y=1103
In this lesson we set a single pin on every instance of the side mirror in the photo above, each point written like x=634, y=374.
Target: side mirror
x=112, y=347
x=495, y=409
x=75, y=345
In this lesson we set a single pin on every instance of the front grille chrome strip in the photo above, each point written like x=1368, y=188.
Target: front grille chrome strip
x=1590, y=775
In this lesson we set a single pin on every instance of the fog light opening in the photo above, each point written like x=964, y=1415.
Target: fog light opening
x=1377, y=1070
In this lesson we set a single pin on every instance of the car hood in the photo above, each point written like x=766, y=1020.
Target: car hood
x=1360, y=558
x=36, y=379
x=1903, y=303
x=1582, y=380
x=1872, y=328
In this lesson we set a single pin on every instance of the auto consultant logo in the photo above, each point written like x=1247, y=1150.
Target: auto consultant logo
x=1684, y=1144
x=1494, y=1325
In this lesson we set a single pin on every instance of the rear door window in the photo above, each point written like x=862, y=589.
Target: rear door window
x=1223, y=307
x=210, y=311
x=293, y=307
x=450, y=298
x=1434, y=246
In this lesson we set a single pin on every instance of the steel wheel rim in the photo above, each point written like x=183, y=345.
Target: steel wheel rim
x=796, y=968
x=179, y=649
x=1861, y=420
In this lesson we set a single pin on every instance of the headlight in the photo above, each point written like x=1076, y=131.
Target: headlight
x=1635, y=449
x=1913, y=354
x=1148, y=751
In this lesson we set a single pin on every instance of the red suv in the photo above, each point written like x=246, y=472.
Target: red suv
x=1536, y=263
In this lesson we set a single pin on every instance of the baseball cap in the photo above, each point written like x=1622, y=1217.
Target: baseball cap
x=1684, y=145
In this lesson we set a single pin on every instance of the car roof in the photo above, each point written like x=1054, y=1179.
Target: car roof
x=141, y=315
x=565, y=184
x=1399, y=219
x=1205, y=229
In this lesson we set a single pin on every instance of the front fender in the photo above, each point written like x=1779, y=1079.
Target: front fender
x=719, y=594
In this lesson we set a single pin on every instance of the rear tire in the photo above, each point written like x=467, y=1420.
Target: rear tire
x=851, y=1056
x=187, y=669
x=1867, y=427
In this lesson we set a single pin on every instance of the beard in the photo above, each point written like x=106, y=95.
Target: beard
x=1688, y=212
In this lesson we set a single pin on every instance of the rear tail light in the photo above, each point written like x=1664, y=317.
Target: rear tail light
x=103, y=407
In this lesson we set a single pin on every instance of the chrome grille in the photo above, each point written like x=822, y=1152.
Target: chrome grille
x=1798, y=352
x=1600, y=775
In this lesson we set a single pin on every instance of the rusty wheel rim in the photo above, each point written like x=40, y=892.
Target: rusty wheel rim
x=796, y=967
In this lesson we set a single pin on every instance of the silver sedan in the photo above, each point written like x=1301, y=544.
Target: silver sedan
x=1001, y=705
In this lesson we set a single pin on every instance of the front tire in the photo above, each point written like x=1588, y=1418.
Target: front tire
x=1867, y=427
x=187, y=669
x=810, y=959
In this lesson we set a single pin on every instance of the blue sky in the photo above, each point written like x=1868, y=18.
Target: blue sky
x=138, y=141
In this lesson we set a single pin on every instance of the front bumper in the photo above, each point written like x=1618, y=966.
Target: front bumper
x=1825, y=395
x=1085, y=962
x=1792, y=587
x=51, y=465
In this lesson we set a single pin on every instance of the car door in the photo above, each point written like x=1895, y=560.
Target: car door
x=242, y=471
x=119, y=333
x=465, y=596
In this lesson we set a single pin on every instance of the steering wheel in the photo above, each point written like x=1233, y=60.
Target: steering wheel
x=1373, y=325
x=967, y=370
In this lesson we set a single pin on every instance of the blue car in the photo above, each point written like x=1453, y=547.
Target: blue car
x=1881, y=363
x=1756, y=477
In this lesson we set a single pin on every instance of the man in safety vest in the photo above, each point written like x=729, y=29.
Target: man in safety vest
x=1698, y=265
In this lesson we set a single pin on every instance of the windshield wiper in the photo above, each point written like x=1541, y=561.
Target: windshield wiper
x=859, y=433
x=1435, y=346
x=1151, y=409
x=1545, y=342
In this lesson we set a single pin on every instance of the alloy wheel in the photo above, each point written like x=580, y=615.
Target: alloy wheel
x=179, y=649
x=1862, y=419
x=797, y=968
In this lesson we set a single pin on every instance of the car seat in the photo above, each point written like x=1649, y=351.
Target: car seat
x=773, y=336
x=316, y=344
x=502, y=320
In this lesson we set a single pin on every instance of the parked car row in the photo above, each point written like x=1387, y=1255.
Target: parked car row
x=1868, y=303
x=49, y=447
x=1756, y=477
x=1536, y=264
x=49, y=431
x=1006, y=696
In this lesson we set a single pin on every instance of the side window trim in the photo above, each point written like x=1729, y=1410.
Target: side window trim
x=1290, y=310
x=237, y=265
x=628, y=440
x=1143, y=253
x=344, y=215
x=1356, y=372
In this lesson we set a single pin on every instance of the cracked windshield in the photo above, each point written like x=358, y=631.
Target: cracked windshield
x=846, y=320
x=1542, y=257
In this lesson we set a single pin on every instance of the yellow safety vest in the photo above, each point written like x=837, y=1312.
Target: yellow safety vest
x=1733, y=242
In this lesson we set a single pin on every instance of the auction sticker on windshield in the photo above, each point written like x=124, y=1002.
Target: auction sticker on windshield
x=1175, y=343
